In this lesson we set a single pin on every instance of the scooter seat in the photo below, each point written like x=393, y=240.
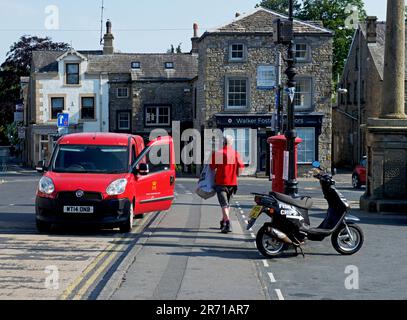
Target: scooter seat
x=299, y=202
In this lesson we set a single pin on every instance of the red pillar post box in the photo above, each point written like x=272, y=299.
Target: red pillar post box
x=279, y=146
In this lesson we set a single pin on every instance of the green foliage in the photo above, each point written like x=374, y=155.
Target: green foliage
x=332, y=14
x=12, y=134
x=16, y=65
x=178, y=49
x=280, y=6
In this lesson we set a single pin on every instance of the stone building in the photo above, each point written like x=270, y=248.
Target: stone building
x=363, y=80
x=236, y=86
x=106, y=91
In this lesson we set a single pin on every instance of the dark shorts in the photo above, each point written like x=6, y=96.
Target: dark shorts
x=224, y=194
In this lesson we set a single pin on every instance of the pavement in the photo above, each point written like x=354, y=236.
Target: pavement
x=181, y=254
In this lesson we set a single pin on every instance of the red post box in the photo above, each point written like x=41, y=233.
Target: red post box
x=277, y=154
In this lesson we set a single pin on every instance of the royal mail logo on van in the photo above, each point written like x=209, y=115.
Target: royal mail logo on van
x=154, y=185
x=79, y=194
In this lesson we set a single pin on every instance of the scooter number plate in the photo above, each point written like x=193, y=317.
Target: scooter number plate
x=256, y=211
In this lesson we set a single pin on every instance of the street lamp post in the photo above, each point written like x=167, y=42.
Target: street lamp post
x=291, y=185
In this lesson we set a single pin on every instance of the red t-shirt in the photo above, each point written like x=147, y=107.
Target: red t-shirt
x=227, y=163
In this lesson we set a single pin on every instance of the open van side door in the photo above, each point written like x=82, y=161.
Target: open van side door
x=154, y=171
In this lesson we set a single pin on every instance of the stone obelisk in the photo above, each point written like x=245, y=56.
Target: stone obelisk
x=394, y=62
x=386, y=189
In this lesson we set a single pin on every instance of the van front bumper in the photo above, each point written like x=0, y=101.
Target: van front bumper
x=110, y=213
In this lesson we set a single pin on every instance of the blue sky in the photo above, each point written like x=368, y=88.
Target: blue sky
x=138, y=25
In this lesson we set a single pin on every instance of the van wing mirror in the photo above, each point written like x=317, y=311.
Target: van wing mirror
x=40, y=166
x=142, y=169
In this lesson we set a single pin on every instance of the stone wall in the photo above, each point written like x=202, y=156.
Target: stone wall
x=178, y=95
x=214, y=67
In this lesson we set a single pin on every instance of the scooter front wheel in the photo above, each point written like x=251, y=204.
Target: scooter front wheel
x=268, y=245
x=348, y=240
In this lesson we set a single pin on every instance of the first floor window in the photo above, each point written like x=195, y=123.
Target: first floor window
x=57, y=106
x=236, y=52
x=124, y=121
x=237, y=93
x=72, y=73
x=123, y=92
x=303, y=94
x=301, y=52
x=88, y=108
x=158, y=116
x=306, y=149
x=242, y=139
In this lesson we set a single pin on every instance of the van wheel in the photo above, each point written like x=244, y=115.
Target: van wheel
x=128, y=225
x=42, y=226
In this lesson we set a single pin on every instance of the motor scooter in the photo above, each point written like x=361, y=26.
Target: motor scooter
x=290, y=223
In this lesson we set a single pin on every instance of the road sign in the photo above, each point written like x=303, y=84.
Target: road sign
x=63, y=120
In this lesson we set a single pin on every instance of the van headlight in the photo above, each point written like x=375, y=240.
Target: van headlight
x=117, y=187
x=46, y=185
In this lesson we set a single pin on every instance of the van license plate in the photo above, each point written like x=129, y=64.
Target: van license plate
x=76, y=209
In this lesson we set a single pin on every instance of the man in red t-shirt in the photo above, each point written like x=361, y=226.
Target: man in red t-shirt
x=228, y=165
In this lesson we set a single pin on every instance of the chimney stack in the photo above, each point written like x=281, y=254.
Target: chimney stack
x=237, y=15
x=108, y=39
x=195, y=39
x=371, y=29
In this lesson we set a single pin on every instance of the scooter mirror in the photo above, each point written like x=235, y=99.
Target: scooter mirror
x=316, y=164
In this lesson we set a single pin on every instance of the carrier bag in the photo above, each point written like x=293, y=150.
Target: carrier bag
x=206, y=183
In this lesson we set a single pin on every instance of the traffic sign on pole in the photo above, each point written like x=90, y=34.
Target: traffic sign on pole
x=63, y=120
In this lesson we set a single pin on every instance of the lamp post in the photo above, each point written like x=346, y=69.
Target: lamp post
x=291, y=185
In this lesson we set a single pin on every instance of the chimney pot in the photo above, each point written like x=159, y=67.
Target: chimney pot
x=371, y=29
x=196, y=27
x=237, y=14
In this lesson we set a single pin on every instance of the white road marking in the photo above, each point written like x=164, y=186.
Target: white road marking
x=243, y=216
x=279, y=295
x=247, y=222
x=266, y=264
x=271, y=276
x=253, y=235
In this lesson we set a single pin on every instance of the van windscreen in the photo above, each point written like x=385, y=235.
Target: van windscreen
x=91, y=159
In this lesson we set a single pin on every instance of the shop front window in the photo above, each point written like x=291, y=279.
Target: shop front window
x=242, y=142
x=306, y=149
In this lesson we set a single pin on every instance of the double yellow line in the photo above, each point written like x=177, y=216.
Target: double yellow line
x=93, y=271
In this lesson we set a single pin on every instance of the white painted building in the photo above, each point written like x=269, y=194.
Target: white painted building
x=60, y=83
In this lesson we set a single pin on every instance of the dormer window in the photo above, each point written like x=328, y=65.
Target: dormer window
x=135, y=65
x=169, y=65
x=72, y=73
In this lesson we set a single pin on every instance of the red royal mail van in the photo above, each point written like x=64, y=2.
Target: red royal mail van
x=105, y=179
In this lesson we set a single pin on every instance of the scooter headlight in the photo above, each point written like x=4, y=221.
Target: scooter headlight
x=46, y=185
x=117, y=187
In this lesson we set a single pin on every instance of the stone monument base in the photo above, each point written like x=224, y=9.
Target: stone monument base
x=386, y=189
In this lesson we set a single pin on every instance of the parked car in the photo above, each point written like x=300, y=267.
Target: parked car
x=106, y=180
x=359, y=174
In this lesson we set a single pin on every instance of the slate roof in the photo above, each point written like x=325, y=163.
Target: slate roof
x=377, y=50
x=261, y=21
x=152, y=65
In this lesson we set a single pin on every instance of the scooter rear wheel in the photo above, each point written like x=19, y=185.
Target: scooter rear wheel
x=344, y=243
x=268, y=245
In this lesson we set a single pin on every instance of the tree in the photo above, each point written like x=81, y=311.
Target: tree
x=178, y=49
x=16, y=65
x=280, y=6
x=333, y=14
